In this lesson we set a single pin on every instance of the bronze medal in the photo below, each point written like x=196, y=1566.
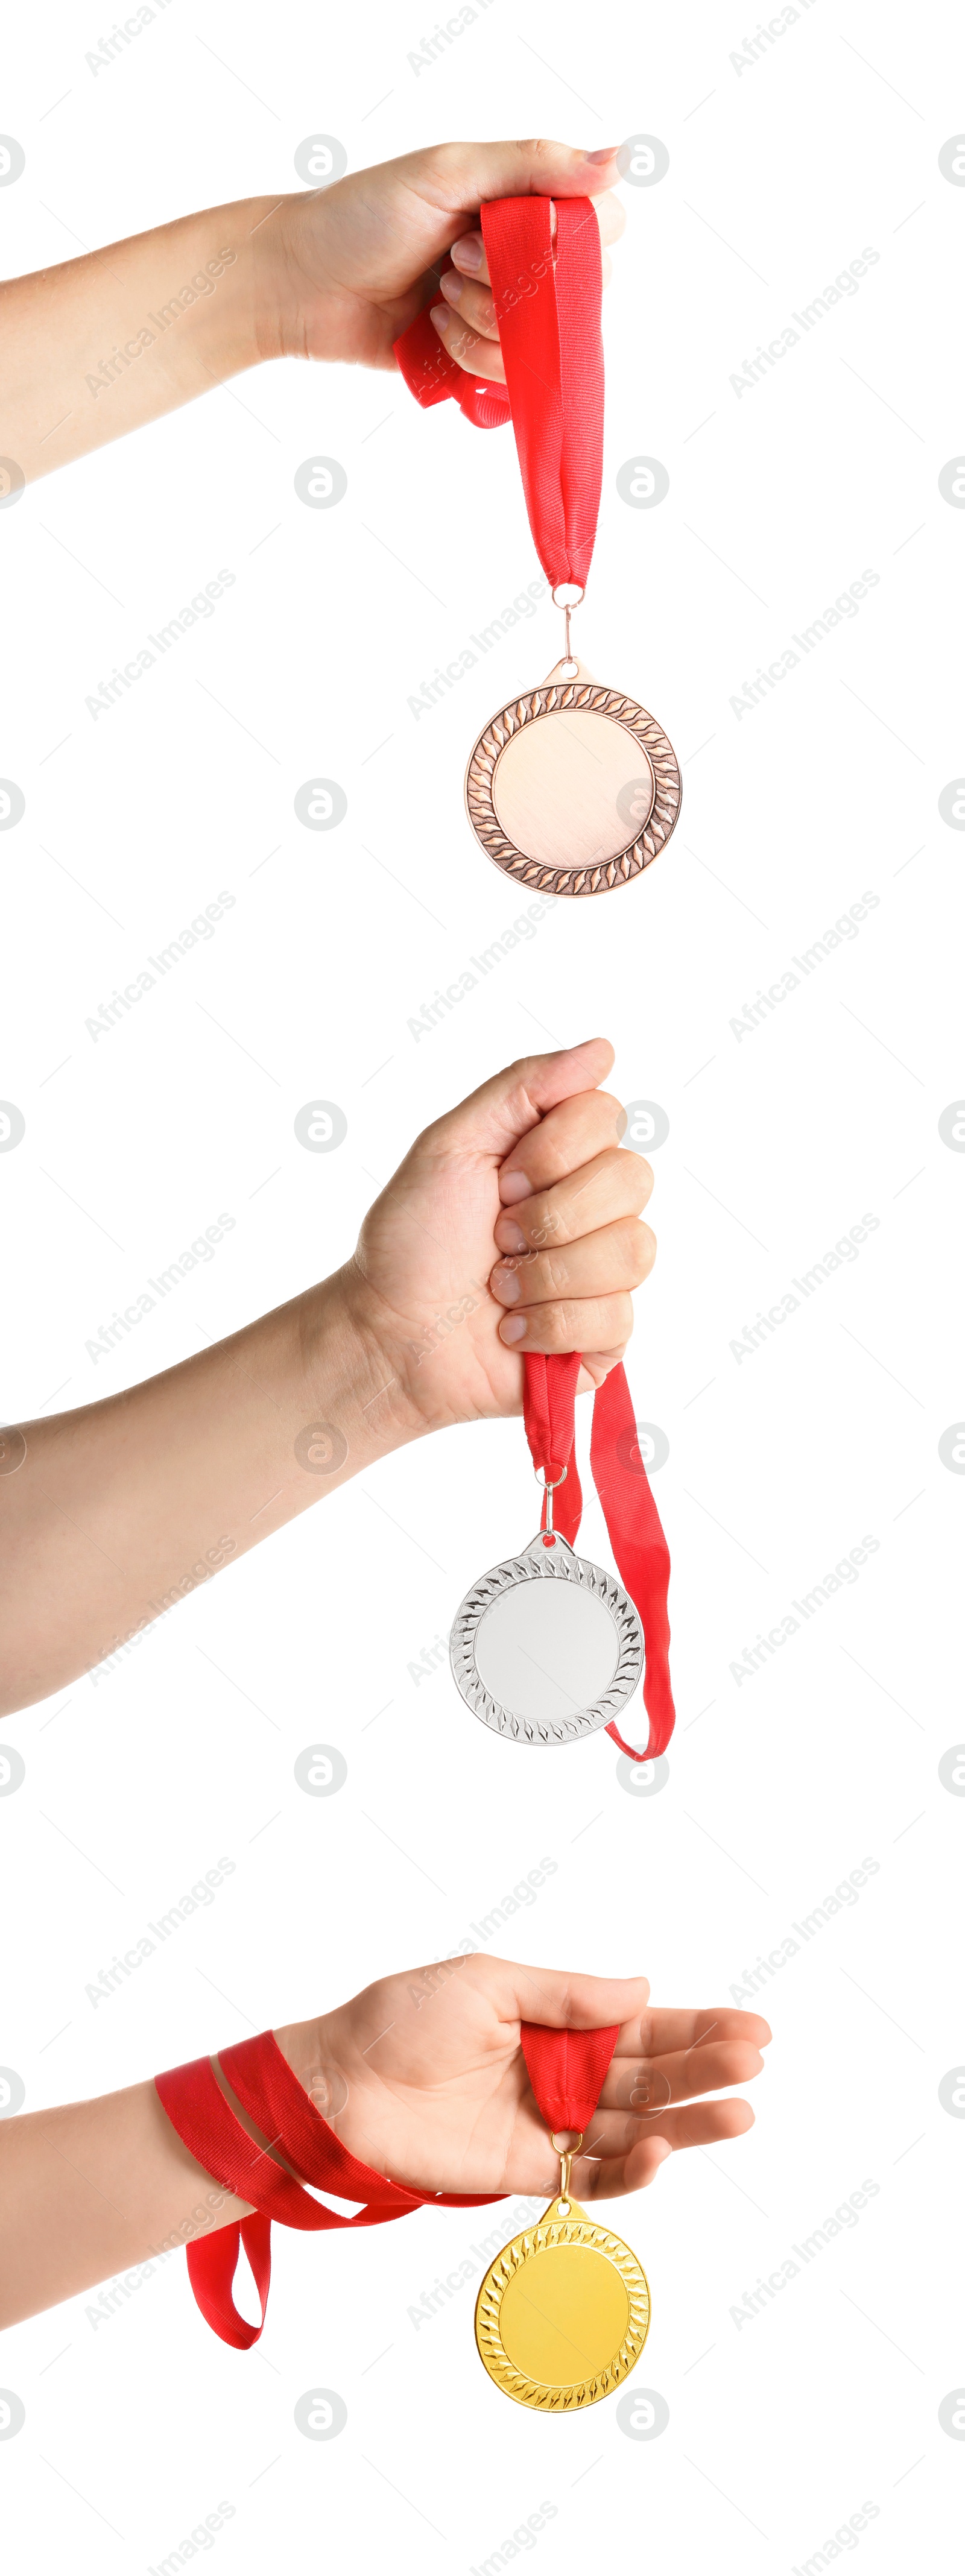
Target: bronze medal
x=573, y=788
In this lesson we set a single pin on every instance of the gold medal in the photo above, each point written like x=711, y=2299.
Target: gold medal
x=564, y=2311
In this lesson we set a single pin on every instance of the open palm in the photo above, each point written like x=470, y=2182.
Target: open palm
x=422, y=2077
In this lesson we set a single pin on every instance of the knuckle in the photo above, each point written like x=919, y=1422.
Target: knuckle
x=632, y=1251
x=553, y=1273
x=631, y=1155
x=612, y=1109
x=617, y=1316
x=640, y=1178
x=554, y=1155
x=636, y=1252
x=539, y=1220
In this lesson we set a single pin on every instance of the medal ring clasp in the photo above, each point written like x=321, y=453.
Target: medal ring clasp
x=549, y=1491
x=575, y=598
x=566, y=2155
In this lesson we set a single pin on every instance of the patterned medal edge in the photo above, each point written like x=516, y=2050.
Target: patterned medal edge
x=587, y=2392
x=608, y=873
x=565, y=1567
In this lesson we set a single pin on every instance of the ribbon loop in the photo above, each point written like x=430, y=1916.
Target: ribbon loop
x=262, y=2081
x=547, y=294
x=566, y=2070
x=550, y=1423
x=212, y=2264
x=631, y=1515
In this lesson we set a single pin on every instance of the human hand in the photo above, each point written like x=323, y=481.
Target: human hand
x=467, y=323
x=344, y=270
x=528, y=1168
x=155, y=1489
x=429, y=2072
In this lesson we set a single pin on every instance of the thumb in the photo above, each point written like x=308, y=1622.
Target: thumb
x=494, y=1118
x=559, y=1999
x=460, y=177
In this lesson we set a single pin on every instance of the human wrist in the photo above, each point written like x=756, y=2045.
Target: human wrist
x=311, y=2049
x=236, y=320
x=299, y=2042
x=352, y=1371
x=213, y=258
x=298, y=307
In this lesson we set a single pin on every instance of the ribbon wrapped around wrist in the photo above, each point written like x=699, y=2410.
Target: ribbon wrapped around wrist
x=547, y=295
x=633, y=1521
x=566, y=2070
x=262, y=2081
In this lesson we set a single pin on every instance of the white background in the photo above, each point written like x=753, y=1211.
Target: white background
x=778, y=1144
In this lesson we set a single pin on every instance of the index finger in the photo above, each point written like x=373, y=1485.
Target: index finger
x=609, y=212
x=663, y=2032
x=462, y=177
x=568, y=1136
x=494, y=1118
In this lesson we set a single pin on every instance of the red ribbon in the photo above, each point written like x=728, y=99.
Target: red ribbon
x=547, y=296
x=629, y=1510
x=263, y=2082
x=566, y=2070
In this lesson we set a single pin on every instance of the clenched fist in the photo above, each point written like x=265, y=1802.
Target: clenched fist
x=513, y=1225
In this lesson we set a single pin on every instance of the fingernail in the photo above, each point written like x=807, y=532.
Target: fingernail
x=441, y=316
x=609, y=155
x=513, y=1186
x=516, y=1240
x=512, y=1328
x=505, y=1285
x=451, y=286
x=468, y=252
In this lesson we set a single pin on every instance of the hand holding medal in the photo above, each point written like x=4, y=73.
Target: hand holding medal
x=533, y=1162
x=573, y=787
x=436, y=2085
x=546, y=1647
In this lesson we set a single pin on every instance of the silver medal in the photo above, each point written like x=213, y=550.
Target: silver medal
x=546, y=1647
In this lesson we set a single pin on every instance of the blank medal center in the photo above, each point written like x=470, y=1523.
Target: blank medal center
x=546, y=1650
x=572, y=788
x=564, y=2315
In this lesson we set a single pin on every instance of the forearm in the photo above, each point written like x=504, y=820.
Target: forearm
x=91, y=2188
x=99, y=345
x=121, y=1509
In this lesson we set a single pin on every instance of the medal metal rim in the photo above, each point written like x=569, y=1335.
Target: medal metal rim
x=554, y=697
x=576, y=2229
x=558, y=1564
